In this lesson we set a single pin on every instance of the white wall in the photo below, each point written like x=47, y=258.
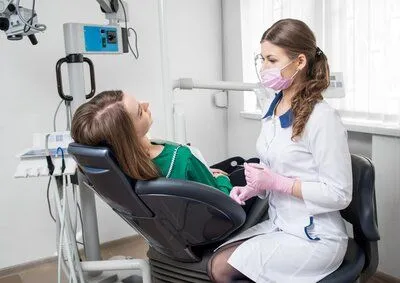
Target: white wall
x=29, y=96
x=386, y=158
x=241, y=132
x=384, y=151
x=195, y=48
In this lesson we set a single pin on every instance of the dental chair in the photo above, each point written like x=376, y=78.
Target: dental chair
x=184, y=221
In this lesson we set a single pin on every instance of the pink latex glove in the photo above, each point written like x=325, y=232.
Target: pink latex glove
x=238, y=194
x=260, y=178
x=241, y=194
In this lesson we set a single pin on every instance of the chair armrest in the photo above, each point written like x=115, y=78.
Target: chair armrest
x=180, y=203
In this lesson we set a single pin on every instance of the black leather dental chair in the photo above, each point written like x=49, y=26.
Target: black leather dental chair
x=181, y=220
x=184, y=221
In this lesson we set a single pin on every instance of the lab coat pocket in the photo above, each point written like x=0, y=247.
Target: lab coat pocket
x=303, y=227
x=309, y=230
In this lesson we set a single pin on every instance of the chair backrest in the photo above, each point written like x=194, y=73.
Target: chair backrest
x=162, y=210
x=361, y=212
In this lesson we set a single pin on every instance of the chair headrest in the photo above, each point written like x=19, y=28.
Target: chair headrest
x=100, y=167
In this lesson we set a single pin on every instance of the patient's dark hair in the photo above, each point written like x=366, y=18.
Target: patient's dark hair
x=104, y=120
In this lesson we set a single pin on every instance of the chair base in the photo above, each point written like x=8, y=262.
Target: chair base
x=165, y=269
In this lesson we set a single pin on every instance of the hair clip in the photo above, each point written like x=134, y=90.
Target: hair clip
x=319, y=51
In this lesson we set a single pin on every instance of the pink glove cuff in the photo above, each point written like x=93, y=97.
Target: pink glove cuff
x=261, y=178
x=284, y=184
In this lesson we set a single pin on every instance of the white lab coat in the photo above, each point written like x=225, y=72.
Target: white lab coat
x=303, y=240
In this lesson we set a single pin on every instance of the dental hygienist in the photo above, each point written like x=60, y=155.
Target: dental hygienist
x=305, y=168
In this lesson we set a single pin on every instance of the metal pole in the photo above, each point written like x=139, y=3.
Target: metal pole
x=188, y=83
x=88, y=205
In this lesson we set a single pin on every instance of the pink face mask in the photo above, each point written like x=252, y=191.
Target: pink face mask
x=272, y=78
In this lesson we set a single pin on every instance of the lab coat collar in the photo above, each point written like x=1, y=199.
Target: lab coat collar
x=285, y=119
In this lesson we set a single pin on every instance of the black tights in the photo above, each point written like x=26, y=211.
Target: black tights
x=220, y=271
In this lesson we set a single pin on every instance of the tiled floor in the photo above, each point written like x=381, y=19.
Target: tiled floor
x=134, y=247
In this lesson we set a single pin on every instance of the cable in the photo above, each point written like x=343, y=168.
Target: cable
x=62, y=223
x=63, y=264
x=68, y=255
x=65, y=240
x=55, y=116
x=37, y=27
x=80, y=214
x=68, y=113
x=136, y=55
x=50, y=164
x=48, y=199
x=65, y=245
x=136, y=44
x=73, y=254
x=31, y=18
x=62, y=162
x=75, y=217
x=126, y=19
x=70, y=116
x=51, y=213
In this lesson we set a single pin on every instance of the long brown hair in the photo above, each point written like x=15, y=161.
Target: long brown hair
x=295, y=37
x=104, y=120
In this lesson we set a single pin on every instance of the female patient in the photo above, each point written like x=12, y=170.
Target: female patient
x=121, y=122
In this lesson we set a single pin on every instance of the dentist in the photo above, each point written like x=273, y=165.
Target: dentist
x=305, y=171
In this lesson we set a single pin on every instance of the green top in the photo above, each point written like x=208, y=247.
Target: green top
x=188, y=167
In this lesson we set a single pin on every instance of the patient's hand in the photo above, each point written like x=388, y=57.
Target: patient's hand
x=218, y=172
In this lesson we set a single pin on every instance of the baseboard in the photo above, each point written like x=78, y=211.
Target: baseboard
x=24, y=266
x=32, y=264
x=121, y=241
x=386, y=278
